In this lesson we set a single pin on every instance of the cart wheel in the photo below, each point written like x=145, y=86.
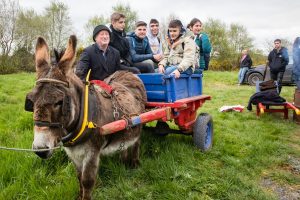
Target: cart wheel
x=203, y=132
x=161, y=129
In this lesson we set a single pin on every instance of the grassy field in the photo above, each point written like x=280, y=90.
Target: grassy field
x=251, y=158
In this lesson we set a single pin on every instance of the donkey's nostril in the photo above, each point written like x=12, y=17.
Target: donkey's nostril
x=43, y=154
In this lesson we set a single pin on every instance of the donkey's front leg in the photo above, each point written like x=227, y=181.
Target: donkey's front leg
x=89, y=174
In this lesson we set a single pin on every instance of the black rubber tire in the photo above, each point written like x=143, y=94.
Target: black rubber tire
x=252, y=78
x=203, y=132
x=161, y=129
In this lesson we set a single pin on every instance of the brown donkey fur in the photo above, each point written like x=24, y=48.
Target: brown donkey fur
x=56, y=99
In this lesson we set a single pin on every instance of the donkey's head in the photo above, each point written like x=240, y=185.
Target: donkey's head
x=50, y=100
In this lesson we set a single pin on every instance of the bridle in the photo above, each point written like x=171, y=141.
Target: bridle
x=50, y=124
x=72, y=137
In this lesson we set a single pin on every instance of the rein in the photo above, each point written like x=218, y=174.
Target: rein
x=30, y=150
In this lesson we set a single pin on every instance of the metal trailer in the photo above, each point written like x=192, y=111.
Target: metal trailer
x=171, y=99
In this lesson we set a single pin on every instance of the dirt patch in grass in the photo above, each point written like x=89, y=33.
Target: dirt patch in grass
x=292, y=166
x=283, y=192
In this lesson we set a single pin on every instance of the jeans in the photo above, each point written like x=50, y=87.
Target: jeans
x=277, y=76
x=242, y=73
x=172, y=68
x=147, y=66
x=130, y=69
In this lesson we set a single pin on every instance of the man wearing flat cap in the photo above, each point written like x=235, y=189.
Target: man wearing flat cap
x=102, y=59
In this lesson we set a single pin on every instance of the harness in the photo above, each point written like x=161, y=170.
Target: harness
x=84, y=123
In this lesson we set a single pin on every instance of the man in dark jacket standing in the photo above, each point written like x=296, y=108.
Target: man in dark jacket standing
x=102, y=59
x=278, y=59
x=118, y=41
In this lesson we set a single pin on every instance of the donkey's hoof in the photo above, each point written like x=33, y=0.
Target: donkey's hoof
x=135, y=164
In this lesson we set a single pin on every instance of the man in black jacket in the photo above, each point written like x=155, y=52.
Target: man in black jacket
x=119, y=41
x=102, y=59
x=278, y=59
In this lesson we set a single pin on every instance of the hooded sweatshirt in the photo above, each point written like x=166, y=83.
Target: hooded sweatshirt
x=155, y=43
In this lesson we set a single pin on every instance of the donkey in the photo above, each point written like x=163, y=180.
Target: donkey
x=57, y=102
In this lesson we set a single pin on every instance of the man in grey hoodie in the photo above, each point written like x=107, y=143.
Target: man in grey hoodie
x=153, y=37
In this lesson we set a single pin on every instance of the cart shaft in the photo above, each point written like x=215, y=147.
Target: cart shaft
x=119, y=125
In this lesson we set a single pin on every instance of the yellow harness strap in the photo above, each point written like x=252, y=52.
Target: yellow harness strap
x=85, y=122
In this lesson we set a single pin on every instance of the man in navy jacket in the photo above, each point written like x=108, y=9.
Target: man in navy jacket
x=140, y=50
x=103, y=60
x=278, y=60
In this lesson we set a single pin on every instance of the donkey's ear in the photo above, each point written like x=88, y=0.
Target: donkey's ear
x=42, y=57
x=67, y=60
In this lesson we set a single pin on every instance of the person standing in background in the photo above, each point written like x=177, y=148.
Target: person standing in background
x=296, y=59
x=245, y=64
x=278, y=59
x=202, y=40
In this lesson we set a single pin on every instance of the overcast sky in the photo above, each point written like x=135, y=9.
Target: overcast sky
x=264, y=19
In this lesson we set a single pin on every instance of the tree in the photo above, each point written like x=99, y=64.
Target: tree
x=164, y=24
x=9, y=10
x=59, y=24
x=284, y=42
x=29, y=26
x=92, y=23
x=227, y=43
x=131, y=16
x=239, y=38
x=221, y=50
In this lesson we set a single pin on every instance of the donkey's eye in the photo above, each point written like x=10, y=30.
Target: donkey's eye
x=59, y=103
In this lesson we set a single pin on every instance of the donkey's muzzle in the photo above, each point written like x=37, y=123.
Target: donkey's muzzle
x=44, y=154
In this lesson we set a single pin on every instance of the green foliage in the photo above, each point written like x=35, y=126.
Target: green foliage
x=9, y=10
x=7, y=65
x=24, y=60
x=246, y=151
x=58, y=24
x=258, y=57
x=131, y=15
x=29, y=26
x=92, y=23
x=227, y=44
x=21, y=60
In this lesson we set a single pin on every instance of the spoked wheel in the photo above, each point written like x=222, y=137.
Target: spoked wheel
x=203, y=132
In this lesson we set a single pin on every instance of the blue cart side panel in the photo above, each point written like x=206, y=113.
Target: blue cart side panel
x=167, y=88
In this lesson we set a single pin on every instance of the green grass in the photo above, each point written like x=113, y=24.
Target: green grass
x=246, y=151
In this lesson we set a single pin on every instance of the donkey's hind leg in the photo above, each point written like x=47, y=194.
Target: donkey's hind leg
x=135, y=154
x=130, y=156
